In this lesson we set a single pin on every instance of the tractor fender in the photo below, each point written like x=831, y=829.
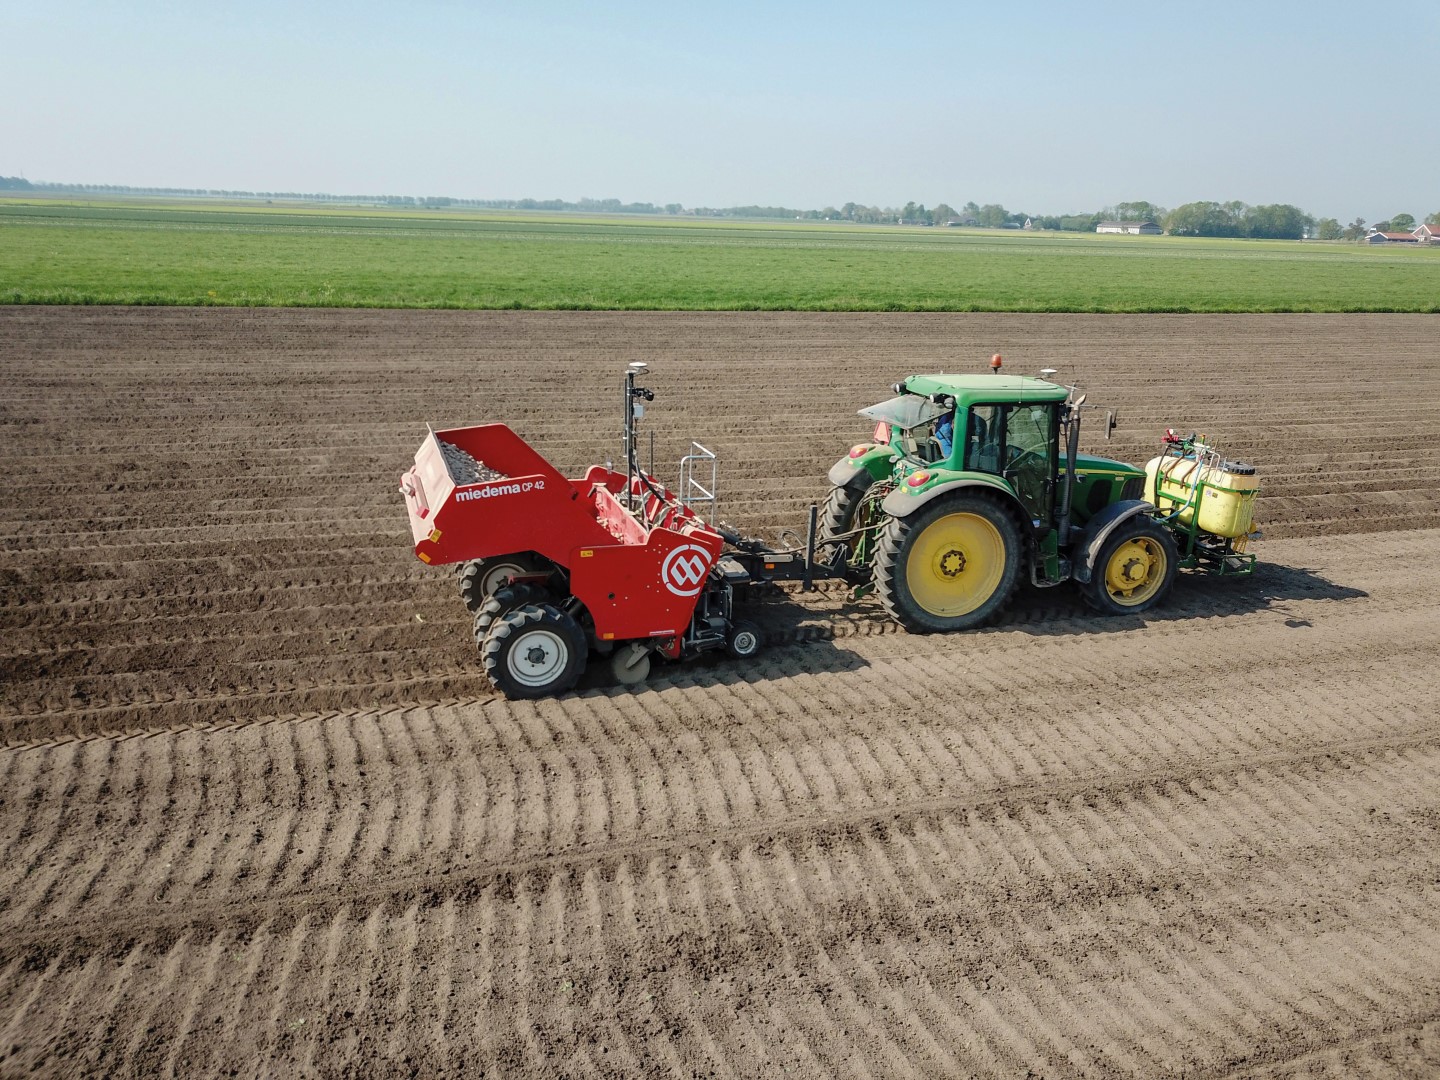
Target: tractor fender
x=1098, y=529
x=900, y=503
x=862, y=471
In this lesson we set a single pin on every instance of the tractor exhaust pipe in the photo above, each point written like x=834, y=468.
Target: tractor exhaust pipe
x=1072, y=449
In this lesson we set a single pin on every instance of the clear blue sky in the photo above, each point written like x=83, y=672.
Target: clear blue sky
x=1044, y=108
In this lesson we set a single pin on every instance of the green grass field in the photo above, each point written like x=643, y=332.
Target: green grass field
x=156, y=252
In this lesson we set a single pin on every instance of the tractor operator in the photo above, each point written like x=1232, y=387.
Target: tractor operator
x=945, y=433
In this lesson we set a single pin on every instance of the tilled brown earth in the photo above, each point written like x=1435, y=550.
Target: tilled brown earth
x=259, y=812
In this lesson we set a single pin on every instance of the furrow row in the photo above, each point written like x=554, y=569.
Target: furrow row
x=1258, y=916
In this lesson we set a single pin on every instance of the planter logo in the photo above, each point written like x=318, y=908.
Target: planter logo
x=492, y=490
x=684, y=569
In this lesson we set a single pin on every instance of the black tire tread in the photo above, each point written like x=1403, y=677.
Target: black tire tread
x=504, y=599
x=836, y=518
x=473, y=571
x=838, y=512
x=746, y=626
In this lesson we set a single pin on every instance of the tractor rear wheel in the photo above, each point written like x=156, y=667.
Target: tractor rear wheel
x=837, y=517
x=534, y=651
x=504, y=600
x=481, y=577
x=951, y=565
x=838, y=512
x=1134, y=570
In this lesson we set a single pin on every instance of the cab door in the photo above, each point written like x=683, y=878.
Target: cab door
x=1030, y=454
x=1018, y=442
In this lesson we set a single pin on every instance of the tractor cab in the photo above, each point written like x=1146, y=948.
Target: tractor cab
x=1007, y=427
x=1011, y=430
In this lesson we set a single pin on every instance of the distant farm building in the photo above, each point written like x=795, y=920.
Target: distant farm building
x=1392, y=238
x=1428, y=234
x=1131, y=228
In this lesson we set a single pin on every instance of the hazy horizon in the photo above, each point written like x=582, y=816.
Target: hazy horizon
x=1042, y=110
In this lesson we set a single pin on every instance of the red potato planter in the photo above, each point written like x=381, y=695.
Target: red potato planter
x=634, y=582
x=555, y=568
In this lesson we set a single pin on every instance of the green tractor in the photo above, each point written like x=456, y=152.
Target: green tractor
x=972, y=484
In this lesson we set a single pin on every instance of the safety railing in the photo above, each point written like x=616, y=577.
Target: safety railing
x=697, y=487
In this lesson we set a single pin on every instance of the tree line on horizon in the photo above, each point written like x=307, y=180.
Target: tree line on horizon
x=1279, y=221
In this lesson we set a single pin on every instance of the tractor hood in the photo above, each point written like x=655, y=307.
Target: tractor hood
x=1096, y=463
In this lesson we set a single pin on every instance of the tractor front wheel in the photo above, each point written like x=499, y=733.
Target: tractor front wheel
x=534, y=651
x=951, y=565
x=1134, y=570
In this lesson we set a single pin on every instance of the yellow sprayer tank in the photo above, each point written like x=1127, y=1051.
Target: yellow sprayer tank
x=1225, y=492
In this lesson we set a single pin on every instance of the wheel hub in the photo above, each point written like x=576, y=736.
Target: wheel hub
x=1135, y=571
x=952, y=563
x=538, y=657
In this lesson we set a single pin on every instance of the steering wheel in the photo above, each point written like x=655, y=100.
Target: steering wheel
x=1014, y=455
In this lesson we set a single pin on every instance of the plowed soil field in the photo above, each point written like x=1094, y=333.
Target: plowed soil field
x=261, y=815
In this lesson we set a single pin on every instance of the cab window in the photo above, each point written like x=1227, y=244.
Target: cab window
x=1029, y=443
x=1028, y=431
x=984, y=435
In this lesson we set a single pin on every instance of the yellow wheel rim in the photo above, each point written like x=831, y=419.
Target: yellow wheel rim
x=1135, y=571
x=955, y=564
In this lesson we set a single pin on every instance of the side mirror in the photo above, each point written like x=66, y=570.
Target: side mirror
x=1109, y=424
